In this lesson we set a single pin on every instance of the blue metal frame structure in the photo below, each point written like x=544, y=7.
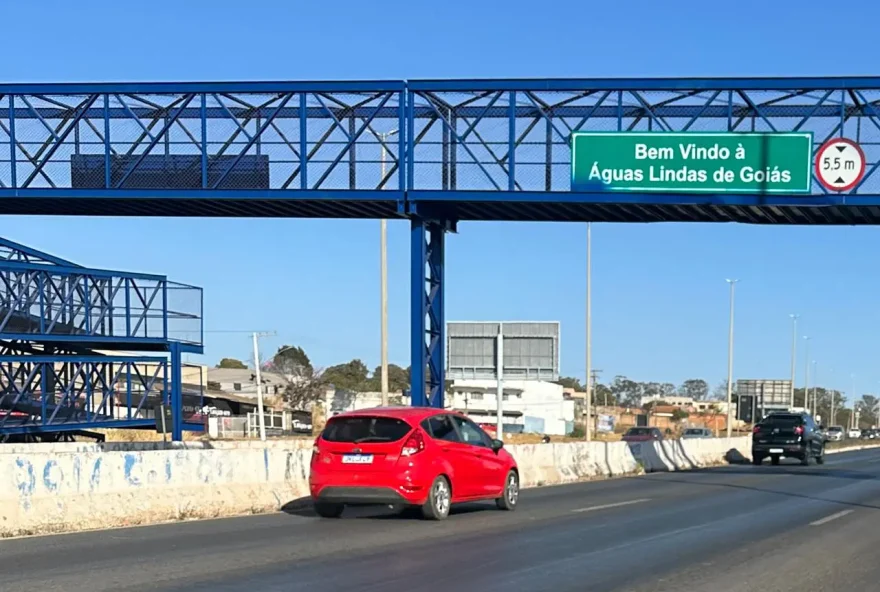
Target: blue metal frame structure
x=54, y=314
x=467, y=150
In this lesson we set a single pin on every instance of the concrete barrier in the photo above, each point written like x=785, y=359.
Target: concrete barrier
x=549, y=464
x=683, y=455
x=63, y=491
x=68, y=487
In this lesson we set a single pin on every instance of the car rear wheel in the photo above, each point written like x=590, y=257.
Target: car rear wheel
x=439, y=500
x=756, y=460
x=328, y=510
x=510, y=496
x=774, y=460
x=820, y=460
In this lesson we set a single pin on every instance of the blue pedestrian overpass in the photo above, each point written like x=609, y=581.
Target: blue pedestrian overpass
x=434, y=152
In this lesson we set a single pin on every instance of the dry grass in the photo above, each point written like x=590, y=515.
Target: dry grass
x=116, y=435
x=536, y=438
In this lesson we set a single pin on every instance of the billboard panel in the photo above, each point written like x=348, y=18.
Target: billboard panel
x=765, y=393
x=531, y=350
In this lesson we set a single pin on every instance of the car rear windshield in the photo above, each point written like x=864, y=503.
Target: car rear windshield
x=365, y=429
x=639, y=431
x=694, y=431
x=835, y=429
x=783, y=421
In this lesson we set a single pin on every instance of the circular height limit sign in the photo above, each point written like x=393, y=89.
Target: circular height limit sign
x=840, y=164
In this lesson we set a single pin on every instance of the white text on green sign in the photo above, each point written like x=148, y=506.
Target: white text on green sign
x=681, y=162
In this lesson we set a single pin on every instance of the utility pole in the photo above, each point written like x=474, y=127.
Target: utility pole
x=260, y=413
x=794, y=319
x=730, y=361
x=383, y=273
x=595, y=379
x=588, y=396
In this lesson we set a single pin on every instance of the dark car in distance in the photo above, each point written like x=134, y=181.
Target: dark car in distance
x=790, y=435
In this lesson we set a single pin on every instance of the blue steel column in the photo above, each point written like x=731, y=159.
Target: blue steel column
x=427, y=372
x=418, y=312
x=436, y=317
x=176, y=393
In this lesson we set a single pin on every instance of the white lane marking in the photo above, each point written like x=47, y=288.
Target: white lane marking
x=827, y=519
x=615, y=505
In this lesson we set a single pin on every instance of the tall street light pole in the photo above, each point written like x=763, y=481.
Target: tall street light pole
x=855, y=422
x=832, y=413
x=806, y=371
x=814, y=399
x=794, y=319
x=730, y=360
x=588, y=396
x=383, y=272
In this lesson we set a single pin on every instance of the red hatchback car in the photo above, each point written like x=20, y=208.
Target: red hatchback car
x=409, y=456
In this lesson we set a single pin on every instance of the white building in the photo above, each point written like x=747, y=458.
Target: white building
x=337, y=400
x=528, y=406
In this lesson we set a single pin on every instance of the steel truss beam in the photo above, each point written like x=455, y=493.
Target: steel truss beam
x=282, y=141
x=13, y=251
x=94, y=307
x=53, y=313
x=57, y=393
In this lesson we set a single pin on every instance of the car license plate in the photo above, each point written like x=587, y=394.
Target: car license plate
x=776, y=451
x=357, y=459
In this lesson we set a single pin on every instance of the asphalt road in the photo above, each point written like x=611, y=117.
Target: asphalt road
x=732, y=529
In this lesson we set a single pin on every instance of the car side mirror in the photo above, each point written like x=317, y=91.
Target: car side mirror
x=497, y=445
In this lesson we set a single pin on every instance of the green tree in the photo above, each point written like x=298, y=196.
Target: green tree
x=571, y=382
x=232, y=363
x=628, y=392
x=867, y=408
x=398, y=379
x=680, y=414
x=291, y=360
x=602, y=395
x=694, y=388
x=351, y=376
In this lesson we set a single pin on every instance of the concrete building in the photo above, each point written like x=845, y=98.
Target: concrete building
x=528, y=406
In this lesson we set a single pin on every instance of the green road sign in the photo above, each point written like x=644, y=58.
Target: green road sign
x=683, y=162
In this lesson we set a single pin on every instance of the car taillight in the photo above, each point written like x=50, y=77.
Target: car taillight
x=316, y=451
x=799, y=430
x=756, y=429
x=413, y=445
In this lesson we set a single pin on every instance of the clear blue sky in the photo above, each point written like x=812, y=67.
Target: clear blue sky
x=660, y=299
